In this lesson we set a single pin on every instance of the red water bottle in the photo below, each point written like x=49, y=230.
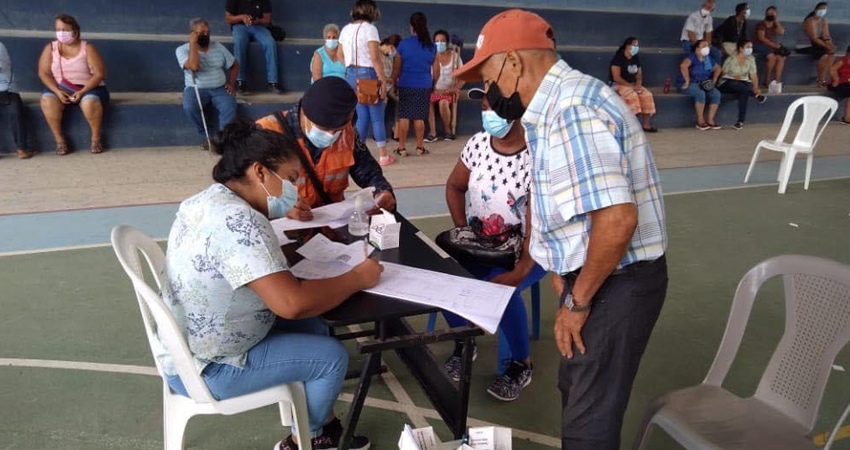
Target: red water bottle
x=667, y=85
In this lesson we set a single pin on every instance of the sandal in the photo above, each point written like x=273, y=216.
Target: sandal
x=422, y=151
x=400, y=152
x=96, y=147
x=714, y=126
x=386, y=160
x=62, y=148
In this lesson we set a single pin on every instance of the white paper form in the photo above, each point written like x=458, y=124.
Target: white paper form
x=480, y=302
x=335, y=215
x=315, y=270
x=322, y=249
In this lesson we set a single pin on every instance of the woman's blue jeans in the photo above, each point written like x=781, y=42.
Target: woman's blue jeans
x=294, y=350
x=514, y=322
x=367, y=114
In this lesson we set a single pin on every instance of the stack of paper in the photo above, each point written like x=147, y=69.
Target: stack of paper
x=324, y=258
x=335, y=215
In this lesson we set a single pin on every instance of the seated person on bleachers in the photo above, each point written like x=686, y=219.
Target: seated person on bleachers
x=248, y=20
x=733, y=29
x=322, y=124
x=739, y=77
x=249, y=323
x=73, y=73
x=494, y=169
x=840, y=83
x=10, y=99
x=698, y=26
x=814, y=40
x=446, y=87
x=694, y=73
x=626, y=77
x=766, y=44
x=328, y=60
x=210, y=66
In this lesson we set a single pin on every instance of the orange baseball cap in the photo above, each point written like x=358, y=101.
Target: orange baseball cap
x=514, y=29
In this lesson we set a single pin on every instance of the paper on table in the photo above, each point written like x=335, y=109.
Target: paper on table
x=316, y=270
x=334, y=215
x=418, y=439
x=322, y=249
x=480, y=302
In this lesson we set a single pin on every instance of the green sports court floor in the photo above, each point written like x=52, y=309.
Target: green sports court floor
x=76, y=371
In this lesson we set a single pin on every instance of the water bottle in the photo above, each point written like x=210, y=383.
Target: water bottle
x=667, y=85
x=358, y=223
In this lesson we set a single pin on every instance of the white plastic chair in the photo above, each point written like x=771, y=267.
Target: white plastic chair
x=783, y=410
x=814, y=109
x=177, y=409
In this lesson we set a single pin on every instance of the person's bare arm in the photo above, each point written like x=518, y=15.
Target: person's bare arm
x=98, y=69
x=780, y=30
x=610, y=234
x=525, y=262
x=762, y=39
x=456, y=187
x=378, y=65
x=809, y=28
x=194, y=61
x=639, y=80
x=686, y=75
x=435, y=75
x=692, y=37
x=717, y=72
x=616, y=74
x=230, y=87
x=707, y=37
x=45, y=74
x=396, y=69
x=265, y=21
x=316, y=66
x=235, y=19
x=294, y=299
x=754, y=80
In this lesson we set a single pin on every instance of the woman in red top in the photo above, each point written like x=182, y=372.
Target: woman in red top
x=840, y=85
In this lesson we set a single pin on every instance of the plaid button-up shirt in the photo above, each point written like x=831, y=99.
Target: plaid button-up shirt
x=588, y=152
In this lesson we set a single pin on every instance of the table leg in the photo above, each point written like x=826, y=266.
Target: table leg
x=459, y=427
x=370, y=368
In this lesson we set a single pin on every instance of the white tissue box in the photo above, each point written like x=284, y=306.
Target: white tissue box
x=384, y=231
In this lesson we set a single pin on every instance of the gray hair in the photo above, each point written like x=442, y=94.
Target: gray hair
x=330, y=27
x=197, y=21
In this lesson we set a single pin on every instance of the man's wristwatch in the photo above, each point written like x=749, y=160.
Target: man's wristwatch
x=569, y=303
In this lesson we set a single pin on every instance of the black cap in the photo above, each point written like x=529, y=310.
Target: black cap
x=329, y=102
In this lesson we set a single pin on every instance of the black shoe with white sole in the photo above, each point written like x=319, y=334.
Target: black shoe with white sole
x=508, y=386
x=738, y=125
x=329, y=440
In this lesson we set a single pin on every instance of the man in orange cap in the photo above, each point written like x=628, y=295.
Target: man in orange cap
x=597, y=217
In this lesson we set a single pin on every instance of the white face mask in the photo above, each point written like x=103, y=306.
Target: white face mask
x=748, y=51
x=704, y=12
x=747, y=14
x=821, y=12
x=704, y=51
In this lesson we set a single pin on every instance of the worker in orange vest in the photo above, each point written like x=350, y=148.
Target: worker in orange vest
x=321, y=122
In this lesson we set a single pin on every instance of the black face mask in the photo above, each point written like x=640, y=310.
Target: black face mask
x=770, y=17
x=204, y=40
x=508, y=108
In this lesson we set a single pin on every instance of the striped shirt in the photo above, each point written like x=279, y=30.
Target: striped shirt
x=214, y=62
x=588, y=153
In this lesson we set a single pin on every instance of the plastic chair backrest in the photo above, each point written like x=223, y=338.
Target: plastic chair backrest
x=817, y=327
x=814, y=109
x=128, y=242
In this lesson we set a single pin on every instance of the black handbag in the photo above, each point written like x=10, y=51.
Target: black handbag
x=469, y=245
x=277, y=32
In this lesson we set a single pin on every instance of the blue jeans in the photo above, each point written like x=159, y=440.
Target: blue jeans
x=242, y=36
x=714, y=52
x=224, y=104
x=367, y=114
x=294, y=350
x=699, y=95
x=742, y=90
x=514, y=322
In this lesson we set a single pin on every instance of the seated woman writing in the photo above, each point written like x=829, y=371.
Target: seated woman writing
x=249, y=323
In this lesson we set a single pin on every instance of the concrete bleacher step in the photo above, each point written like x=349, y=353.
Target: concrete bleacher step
x=156, y=119
x=305, y=19
x=138, y=65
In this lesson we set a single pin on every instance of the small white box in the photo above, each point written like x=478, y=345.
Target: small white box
x=384, y=231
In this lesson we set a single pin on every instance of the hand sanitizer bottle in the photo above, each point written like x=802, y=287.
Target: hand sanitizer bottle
x=358, y=223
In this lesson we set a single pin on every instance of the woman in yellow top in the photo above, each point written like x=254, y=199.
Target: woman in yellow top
x=738, y=76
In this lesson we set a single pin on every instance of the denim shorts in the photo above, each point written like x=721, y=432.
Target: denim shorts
x=100, y=92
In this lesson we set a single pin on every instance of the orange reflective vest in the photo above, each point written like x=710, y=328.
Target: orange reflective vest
x=332, y=168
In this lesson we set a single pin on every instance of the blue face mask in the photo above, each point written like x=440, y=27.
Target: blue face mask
x=279, y=206
x=441, y=47
x=331, y=43
x=635, y=49
x=321, y=138
x=821, y=12
x=747, y=14
x=495, y=125
x=748, y=51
